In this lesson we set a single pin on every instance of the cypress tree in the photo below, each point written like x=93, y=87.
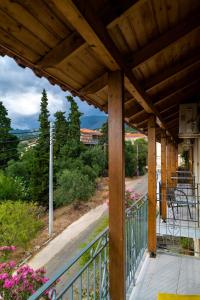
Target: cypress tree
x=74, y=121
x=40, y=174
x=60, y=132
x=8, y=141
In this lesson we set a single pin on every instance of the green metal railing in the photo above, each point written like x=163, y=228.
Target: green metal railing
x=136, y=238
x=86, y=275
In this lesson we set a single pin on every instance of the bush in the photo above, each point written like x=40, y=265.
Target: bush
x=73, y=186
x=95, y=158
x=130, y=159
x=18, y=223
x=11, y=188
x=21, y=284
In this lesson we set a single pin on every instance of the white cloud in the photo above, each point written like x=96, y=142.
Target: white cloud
x=20, y=91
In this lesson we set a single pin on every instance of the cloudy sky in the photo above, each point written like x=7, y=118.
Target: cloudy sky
x=20, y=92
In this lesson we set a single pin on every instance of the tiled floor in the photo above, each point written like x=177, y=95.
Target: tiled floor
x=168, y=274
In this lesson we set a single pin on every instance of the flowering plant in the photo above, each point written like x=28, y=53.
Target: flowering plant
x=20, y=284
x=130, y=197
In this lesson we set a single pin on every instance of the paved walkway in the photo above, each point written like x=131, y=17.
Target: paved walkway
x=67, y=236
x=68, y=243
x=167, y=273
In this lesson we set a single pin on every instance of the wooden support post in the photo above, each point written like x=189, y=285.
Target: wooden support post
x=152, y=186
x=176, y=157
x=169, y=157
x=116, y=186
x=163, y=176
x=191, y=160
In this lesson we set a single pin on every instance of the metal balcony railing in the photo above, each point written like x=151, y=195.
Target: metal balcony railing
x=181, y=227
x=86, y=276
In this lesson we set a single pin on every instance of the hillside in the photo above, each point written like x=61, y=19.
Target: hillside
x=93, y=122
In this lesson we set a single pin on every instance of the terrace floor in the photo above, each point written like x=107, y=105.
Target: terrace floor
x=167, y=273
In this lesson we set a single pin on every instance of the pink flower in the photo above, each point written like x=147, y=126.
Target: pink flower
x=8, y=284
x=4, y=276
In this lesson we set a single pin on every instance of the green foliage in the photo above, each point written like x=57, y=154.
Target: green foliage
x=104, y=130
x=142, y=154
x=8, y=141
x=18, y=223
x=101, y=226
x=185, y=158
x=11, y=188
x=60, y=132
x=40, y=170
x=130, y=159
x=131, y=150
x=73, y=186
x=73, y=121
x=95, y=158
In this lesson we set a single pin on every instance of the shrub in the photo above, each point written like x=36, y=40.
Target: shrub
x=130, y=159
x=21, y=284
x=95, y=157
x=73, y=186
x=11, y=188
x=18, y=223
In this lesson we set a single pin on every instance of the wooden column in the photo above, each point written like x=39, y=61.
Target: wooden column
x=163, y=175
x=152, y=186
x=116, y=186
x=191, y=160
x=169, y=158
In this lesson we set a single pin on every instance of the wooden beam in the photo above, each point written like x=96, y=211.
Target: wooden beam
x=74, y=42
x=64, y=49
x=152, y=186
x=167, y=99
x=95, y=85
x=116, y=186
x=165, y=40
x=91, y=28
x=163, y=176
x=172, y=71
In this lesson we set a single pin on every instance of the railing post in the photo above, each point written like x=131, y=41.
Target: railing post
x=163, y=176
x=152, y=186
x=116, y=186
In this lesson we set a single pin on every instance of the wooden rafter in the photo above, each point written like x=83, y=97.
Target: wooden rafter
x=74, y=42
x=165, y=40
x=91, y=28
x=173, y=70
x=182, y=88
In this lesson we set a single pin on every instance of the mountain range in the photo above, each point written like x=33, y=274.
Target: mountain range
x=90, y=122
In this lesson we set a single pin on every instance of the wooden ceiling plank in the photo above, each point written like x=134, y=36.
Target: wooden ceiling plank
x=95, y=86
x=164, y=75
x=61, y=51
x=164, y=40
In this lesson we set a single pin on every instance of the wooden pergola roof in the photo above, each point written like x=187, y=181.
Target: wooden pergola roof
x=76, y=43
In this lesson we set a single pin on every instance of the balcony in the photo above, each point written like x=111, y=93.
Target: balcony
x=174, y=270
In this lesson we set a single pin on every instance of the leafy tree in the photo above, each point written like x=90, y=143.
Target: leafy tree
x=74, y=121
x=130, y=159
x=11, y=188
x=73, y=186
x=104, y=130
x=142, y=146
x=60, y=132
x=8, y=141
x=40, y=171
x=95, y=158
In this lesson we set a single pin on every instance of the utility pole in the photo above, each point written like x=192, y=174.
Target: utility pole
x=137, y=161
x=51, y=181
